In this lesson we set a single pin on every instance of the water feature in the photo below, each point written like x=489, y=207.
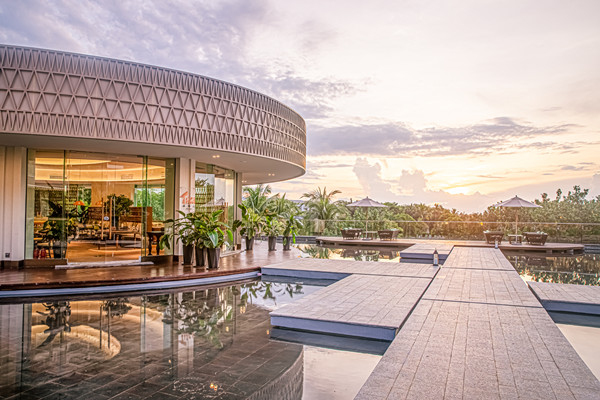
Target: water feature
x=193, y=343
x=355, y=253
x=580, y=269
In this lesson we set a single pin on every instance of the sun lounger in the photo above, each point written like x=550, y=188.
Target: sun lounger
x=351, y=233
x=388, y=234
x=536, y=238
x=492, y=236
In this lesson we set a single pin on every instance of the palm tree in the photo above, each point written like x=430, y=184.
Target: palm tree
x=257, y=198
x=320, y=206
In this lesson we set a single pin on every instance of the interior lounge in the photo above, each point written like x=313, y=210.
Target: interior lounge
x=85, y=207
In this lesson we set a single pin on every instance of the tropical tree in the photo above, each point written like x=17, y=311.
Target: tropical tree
x=258, y=198
x=320, y=204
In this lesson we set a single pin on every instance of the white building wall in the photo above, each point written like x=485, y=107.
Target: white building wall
x=13, y=185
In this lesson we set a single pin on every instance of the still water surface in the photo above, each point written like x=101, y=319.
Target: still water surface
x=354, y=253
x=579, y=269
x=209, y=342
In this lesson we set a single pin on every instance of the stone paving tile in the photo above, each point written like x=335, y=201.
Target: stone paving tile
x=425, y=250
x=479, y=285
x=355, y=267
x=480, y=351
x=382, y=301
x=477, y=258
x=546, y=291
x=479, y=333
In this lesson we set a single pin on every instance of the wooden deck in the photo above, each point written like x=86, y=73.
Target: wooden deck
x=549, y=248
x=16, y=283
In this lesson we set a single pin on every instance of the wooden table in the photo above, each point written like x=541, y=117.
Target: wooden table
x=154, y=236
x=515, y=239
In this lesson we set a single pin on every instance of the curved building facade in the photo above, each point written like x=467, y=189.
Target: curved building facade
x=88, y=135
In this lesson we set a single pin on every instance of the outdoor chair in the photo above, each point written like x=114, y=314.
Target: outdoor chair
x=351, y=233
x=388, y=234
x=492, y=236
x=536, y=238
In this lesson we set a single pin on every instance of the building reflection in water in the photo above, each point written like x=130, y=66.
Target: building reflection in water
x=185, y=343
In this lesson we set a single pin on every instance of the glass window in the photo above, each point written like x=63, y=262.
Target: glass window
x=92, y=207
x=215, y=190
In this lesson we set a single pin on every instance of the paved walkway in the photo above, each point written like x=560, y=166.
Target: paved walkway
x=313, y=268
x=479, y=333
x=570, y=298
x=424, y=251
x=368, y=306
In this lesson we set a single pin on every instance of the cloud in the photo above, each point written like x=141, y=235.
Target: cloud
x=369, y=177
x=571, y=168
x=215, y=39
x=411, y=187
x=499, y=135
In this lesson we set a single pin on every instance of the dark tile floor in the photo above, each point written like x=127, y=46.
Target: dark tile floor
x=207, y=343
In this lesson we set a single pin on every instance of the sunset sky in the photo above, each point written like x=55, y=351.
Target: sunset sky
x=463, y=103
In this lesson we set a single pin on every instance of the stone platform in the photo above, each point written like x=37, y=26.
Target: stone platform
x=424, y=251
x=314, y=268
x=479, y=333
x=567, y=298
x=366, y=306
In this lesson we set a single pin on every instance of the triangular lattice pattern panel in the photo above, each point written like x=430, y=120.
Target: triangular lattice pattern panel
x=55, y=93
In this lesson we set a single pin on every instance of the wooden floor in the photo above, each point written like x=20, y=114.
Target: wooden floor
x=32, y=278
x=405, y=243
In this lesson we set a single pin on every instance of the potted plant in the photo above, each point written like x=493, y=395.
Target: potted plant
x=184, y=229
x=293, y=224
x=213, y=236
x=60, y=226
x=252, y=223
x=117, y=206
x=272, y=229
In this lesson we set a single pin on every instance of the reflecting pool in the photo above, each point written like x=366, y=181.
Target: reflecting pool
x=583, y=332
x=204, y=342
x=579, y=269
x=355, y=253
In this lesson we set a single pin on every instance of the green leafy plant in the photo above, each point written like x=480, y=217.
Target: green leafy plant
x=212, y=230
x=252, y=223
x=293, y=224
x=61, y=224
x=120, y=204
x=183, y=229
x=273, y=226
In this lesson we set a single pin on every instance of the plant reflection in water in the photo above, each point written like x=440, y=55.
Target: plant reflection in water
x=193, y=343
x=57, y=319
x=582, y=269
x=354, y=253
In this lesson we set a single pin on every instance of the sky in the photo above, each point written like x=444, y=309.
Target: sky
x=462, y=103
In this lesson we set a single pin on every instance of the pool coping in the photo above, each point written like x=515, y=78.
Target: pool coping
x=54, y=288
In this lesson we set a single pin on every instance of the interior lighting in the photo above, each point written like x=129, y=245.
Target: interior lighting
x=216, y=156
x=271, y=174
